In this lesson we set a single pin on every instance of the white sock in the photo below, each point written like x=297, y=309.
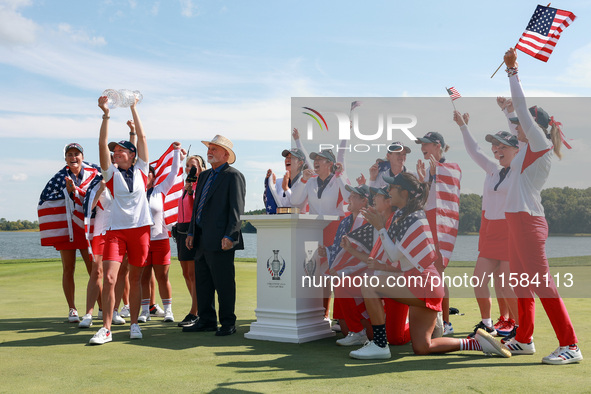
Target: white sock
x=488, y=322
x=146, y=305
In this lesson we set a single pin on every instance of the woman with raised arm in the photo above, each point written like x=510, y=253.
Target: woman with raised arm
x=130, y=221
x=493, y=243
x=528, y=229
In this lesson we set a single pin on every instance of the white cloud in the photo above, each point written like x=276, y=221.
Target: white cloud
x=578, y=72
x=14, y=28
x=188, y=9
x=132, y=4
x=19, y=177
x=80, y=36
x=155, y=8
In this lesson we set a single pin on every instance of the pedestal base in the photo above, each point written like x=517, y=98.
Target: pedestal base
x=292, y=327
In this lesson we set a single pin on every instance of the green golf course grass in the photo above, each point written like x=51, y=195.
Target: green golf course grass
x=40, y=351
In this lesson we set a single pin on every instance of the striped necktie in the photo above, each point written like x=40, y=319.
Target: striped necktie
x=212, y=176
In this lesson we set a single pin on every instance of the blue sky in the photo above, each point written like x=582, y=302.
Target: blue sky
x=231, y=68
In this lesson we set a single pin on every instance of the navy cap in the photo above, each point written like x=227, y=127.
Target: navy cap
x=540, y=116
x=433, y=137
x=294, y=152
x=379, y=190
x=73, y=145
x=503, y=137
x=325, y=153
x=398, y=146
x=361, y=190
x=124, y=144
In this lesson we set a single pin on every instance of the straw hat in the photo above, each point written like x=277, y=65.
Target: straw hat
x=225, y=143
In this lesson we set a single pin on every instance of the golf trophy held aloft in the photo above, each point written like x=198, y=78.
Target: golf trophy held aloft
x=122, y=98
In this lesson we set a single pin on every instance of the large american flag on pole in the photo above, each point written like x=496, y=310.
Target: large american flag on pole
x=162, y=168
x=447, y=187
x=543, y=31
x=60, y=215
x=414, y=238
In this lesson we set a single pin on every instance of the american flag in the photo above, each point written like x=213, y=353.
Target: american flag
x=378, y=252
x=543, y=31
x=361, y=237
x=447, y=187
x=162, y=167
x=414, y=238
x=59, y=214
x=355, y=104
x=453, y=93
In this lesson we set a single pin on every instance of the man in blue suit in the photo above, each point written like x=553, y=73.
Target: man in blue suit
x=215, y=232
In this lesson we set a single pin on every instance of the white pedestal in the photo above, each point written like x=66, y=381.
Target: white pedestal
x=287, y=311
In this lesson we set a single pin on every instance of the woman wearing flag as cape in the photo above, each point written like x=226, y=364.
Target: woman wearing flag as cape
x=408, y=240
x=528, y=228
x=61, y=217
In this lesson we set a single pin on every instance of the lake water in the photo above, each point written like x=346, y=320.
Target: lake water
x=26, y=245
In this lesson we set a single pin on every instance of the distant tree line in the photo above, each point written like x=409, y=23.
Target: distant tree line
x=6, y=225
x=567, y=210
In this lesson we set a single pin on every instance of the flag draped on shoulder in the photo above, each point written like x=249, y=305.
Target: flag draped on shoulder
x=162, y=168
x=447, y=187
x=361, y=239
x=543, y=31
x=414, y=238
x=59, y=213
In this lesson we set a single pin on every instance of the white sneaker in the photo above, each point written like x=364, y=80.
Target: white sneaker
x=516, y=347
x=489, y=345
x=125, y=311
x=371, y=351
x=144, y=316
x=102, y=336
x=86, y=321
x=438, y=329
x=564, y=355
x=168, y=316
x=135, y=332
x=353, y=338
x=99, y=315
x=117, y=319
x=157, y=311
x=447, y=328
x=73, y=316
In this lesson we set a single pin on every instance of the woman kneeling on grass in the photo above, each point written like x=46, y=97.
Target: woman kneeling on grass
x=409, y=240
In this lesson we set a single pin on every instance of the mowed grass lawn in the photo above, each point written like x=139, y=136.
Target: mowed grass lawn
x=40, y=351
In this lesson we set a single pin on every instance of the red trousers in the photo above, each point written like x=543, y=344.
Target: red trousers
x=527, y=258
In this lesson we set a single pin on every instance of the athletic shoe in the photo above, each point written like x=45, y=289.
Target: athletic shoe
x=482, y=326
x=507, y=328
x=438, y=329
x=564, y=355
x=135, y=332
x=144, y=317
x=510, y=336
x=489, y=345
x=117, y=319
x=353, y=338
x=73, y=316
x=86, y=321
x=102, y=336
x=500, y=323
x=99, y=315
x=188, y=320
x=125, y=311
x=156, y=311
x=447, y=328
x=516, y=347
x=371, y=351
x=168, y=316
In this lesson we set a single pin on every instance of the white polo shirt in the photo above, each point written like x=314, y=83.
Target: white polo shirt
x=129, y=209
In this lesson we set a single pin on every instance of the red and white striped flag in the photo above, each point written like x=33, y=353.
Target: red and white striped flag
x=361, y=239
x=453, y=93
x=414, y=239
x=543, y=31
x=447, y=187
x=162, y=168
x=60, y=215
